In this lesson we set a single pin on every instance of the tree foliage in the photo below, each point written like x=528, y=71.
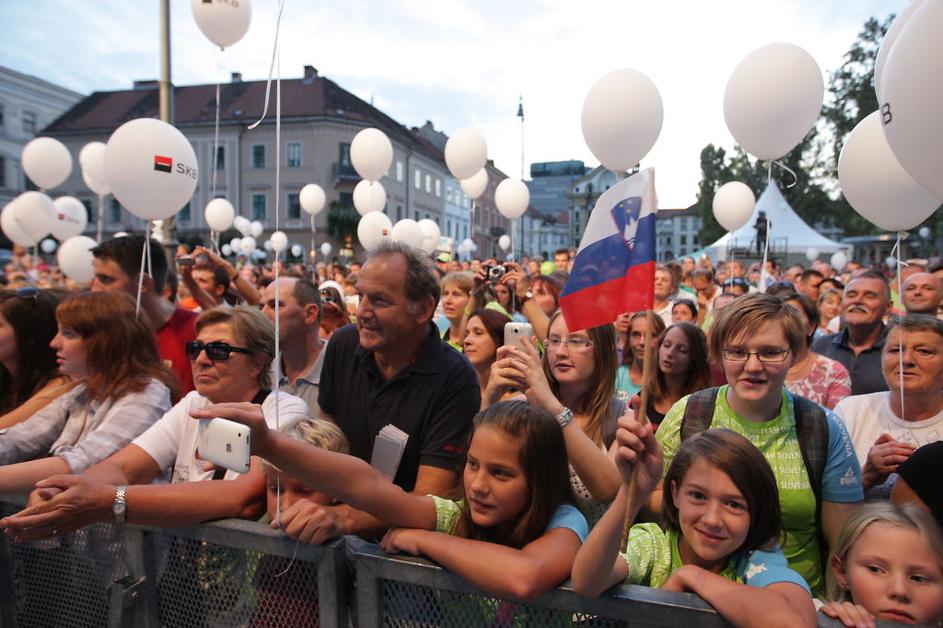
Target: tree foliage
x=342, y=221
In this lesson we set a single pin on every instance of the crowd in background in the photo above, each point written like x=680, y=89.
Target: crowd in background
x=791, y=441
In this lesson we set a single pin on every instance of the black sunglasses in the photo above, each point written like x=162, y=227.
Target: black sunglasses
x=215, y=350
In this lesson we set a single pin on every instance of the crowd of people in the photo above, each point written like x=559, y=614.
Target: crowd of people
x=787, y=460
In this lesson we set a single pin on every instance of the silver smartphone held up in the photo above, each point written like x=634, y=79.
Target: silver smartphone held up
x=518, y=334
x=225, y=443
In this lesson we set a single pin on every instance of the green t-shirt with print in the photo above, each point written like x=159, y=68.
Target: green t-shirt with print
x=778, y=441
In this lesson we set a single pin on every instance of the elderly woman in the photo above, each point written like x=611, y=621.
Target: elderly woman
x=231, y=359
x=818, y=476
x=884, y=430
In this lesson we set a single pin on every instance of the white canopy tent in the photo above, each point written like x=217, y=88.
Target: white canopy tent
x=790, y=232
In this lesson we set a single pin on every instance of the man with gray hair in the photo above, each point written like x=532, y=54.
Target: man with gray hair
x=393, y=367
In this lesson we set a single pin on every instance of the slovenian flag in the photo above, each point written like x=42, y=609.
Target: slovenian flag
x=614, y=269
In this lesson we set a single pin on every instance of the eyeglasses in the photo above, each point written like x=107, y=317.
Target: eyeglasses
x=216, y=350
x=766, y=356
x=573, y=342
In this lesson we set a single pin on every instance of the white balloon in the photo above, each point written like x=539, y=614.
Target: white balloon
x=12, y=229
x=811, y=253
x=924, y=233
x=219, y=214
x=839, y=260
x=279, y=241
x=267, y=245
x=475, y=185
x=430, y=234
x=92, y=162
x=511, y=197
x=876, y=185
x=226, y=250
x=913, y=97
x=773, y=98
x=504, y=242
x=371, y=154
x=35, y=213
x=75, y=258
x=247, y=244
x=408, y=232
x=70, y=218
x=297, y=250
x=236, y=245
x=326, y=246
x=622, y=117
x=312, y=198
x=46, y=161
x=256, y=229
x=223, y=23
x=891, y=261
x=469, y=245
x=369, y=196
x=151, y=168
x=242, y=225
x=372, y=230
x=890, y=38
x=466, y=153
x=48, y=246
x=733, y=205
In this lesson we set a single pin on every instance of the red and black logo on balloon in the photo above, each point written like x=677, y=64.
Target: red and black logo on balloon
x=163, y=164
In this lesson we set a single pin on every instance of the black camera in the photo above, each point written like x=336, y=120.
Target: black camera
x=494, y=273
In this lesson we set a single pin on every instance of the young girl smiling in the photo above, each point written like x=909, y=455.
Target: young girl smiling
x=721, y=517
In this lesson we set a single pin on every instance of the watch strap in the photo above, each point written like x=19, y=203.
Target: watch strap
x=120, y=505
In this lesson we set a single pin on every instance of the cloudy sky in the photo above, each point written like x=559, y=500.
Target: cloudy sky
x=458, y=62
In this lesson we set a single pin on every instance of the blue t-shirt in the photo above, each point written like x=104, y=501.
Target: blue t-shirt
x=448, y=513
x=625, y=388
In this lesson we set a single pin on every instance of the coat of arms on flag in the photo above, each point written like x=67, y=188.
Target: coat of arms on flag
x=163, y=164
x=614, y=269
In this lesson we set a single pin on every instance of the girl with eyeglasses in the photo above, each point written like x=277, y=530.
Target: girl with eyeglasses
x=575, y=382
x=807, y=446
x=29, y=376
x=123, y=389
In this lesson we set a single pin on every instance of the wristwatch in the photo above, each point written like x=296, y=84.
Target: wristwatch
x=564, y=417
x=120, y=506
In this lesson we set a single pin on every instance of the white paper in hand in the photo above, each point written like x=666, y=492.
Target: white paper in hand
x=388, y=450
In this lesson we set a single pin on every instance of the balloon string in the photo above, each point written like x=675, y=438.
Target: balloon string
x=147, y=242
x=795, y=177
x=769, y=179
x=313, y=255
x=216, y=126
x=137, y=305
x=900, y=336
x=268, y=84
x=101, y=216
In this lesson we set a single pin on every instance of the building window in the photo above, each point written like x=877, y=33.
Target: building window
x=294, y=155
x=418, y=180
x=294, y=207
x=448, y=228
x=258, y=207
x=258, y=156
x=416, y=216
x=428, y=184
x=438, y=187
x=29, y=121
x=184, y=214
x=114, y=211
x=399, y=212
x=220, y=157
x=88, y=210
x=399, y=171
x=684, y=239
x=344, y=154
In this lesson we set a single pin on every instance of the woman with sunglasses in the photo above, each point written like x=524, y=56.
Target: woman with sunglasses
x=808, y=447
x=29, y=376
x=575, y=382
x=123, y=388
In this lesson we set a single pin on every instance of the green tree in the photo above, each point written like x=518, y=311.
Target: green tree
x=342, y=221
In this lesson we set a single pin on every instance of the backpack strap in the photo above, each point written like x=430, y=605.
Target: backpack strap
x=699, y=412
x=812, y=432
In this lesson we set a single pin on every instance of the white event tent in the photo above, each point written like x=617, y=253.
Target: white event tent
x=788, y=232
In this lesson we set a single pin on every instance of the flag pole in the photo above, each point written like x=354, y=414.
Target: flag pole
x=643, y=419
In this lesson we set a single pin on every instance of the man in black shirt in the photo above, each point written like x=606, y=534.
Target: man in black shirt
x=394, y=368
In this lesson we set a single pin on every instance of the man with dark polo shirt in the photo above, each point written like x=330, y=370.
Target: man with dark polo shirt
x=392, y=367
x=117, y=264
x=865, y=302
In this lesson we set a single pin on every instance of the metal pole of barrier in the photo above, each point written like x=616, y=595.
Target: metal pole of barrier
x=369, y=590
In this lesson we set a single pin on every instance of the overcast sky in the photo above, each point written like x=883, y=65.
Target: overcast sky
x=459, y=62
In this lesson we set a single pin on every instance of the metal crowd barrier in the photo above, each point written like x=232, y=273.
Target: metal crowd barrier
x=241, y=573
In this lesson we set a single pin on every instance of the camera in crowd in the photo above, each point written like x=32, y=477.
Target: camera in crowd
x=494, y=273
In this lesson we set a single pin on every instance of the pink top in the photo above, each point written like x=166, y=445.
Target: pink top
x=826, y=384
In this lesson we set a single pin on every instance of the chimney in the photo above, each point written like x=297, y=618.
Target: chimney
x=236, y=77
x=311, y=73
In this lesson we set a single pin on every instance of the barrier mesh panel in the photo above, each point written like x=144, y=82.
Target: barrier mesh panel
x=202, y=584
x=415, y=606
x=65, y=581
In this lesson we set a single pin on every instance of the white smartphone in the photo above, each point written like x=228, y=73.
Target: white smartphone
x=225, y=443
x=518, y=334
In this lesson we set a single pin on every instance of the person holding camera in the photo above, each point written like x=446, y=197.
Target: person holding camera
x=208, y=277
